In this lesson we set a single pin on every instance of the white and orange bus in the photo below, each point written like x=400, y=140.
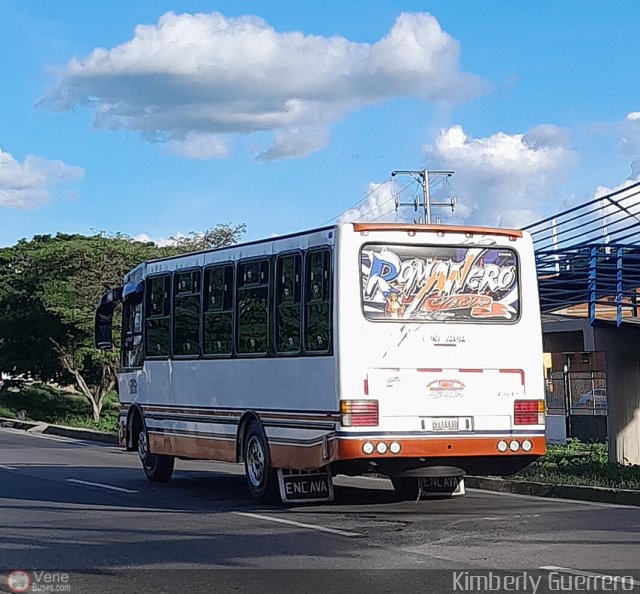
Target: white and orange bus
x=411, y=351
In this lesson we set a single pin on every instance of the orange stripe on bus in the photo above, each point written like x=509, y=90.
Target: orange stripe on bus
x=436, y=228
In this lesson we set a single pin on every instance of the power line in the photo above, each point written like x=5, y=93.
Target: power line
x=393, y=197
x=375, y=188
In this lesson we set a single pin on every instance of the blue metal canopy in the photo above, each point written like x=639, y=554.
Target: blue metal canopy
x=588, y=258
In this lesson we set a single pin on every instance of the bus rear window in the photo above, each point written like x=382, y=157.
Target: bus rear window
x=439, y=283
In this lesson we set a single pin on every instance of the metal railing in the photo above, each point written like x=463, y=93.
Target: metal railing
x=588, y=258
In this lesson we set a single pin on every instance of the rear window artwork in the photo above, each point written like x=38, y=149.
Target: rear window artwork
x=439, y=283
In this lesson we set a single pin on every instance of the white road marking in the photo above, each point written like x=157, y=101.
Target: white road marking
x=554, y=499
x=7, y=467
x=629, y=579
x=297, y=524
x=101, y=485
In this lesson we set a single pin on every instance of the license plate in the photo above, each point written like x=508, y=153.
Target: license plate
x=446, y=424
x=305, y=486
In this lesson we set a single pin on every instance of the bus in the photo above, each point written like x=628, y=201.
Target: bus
x=410, y=351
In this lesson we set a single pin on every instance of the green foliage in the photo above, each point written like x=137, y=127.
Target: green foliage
x=44, y=403
x=49, y=288
x=578, y=463
x=7, y=413
x=223, y=235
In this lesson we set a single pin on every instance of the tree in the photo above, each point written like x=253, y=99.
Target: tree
x=49, y=287
x=223, y=235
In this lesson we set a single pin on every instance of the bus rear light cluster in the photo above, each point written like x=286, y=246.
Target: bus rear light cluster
x=381, y=447
x=528, y=412
x=514, y=445
x=359, y=413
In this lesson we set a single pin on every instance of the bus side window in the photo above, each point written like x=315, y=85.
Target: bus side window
x=288, y=303
x=157, y=317
x=318, y=305
x=186, y=313
x=218, y=311
x=132, y=334
x=252, y=307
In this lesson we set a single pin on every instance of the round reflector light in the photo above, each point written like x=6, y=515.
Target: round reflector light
x=382, y=448
x=502, y=446
x=527, y=445
x=367, y=447
x=395, y=447
x=514, y=446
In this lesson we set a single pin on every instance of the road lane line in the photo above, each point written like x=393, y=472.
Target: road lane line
x=590, y=574
x=553, y=499
x=7, y=467
x=101, y=485
x=297, y=524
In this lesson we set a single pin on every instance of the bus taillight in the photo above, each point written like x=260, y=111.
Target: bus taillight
x=528, y=412
x=358, y=413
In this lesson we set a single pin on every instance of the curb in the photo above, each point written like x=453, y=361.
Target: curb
x=593, y=494
x=60, y=430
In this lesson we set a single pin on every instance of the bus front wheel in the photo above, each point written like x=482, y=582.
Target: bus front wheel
x=158, y=468
x=262, y=479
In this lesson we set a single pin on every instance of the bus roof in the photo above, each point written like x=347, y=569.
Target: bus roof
x=361, y=227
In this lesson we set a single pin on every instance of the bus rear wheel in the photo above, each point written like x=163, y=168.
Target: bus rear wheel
x=262, y=479
x=407, y=489
x=158, y=468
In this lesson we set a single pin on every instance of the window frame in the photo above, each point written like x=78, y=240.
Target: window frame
x=146, y=317
x=330, y=297
x=174, y=295
x=203, y=312
x=123, y=367
x=279, y=257
x=269, y=352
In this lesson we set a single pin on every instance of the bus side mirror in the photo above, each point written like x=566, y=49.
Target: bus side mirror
x=104, y=319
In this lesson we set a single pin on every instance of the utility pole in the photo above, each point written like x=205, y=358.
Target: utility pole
x=424, y=178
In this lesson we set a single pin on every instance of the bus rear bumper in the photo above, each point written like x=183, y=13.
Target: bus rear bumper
x=474, y=455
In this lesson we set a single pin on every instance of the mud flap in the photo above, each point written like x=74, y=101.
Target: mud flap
x=300, y=486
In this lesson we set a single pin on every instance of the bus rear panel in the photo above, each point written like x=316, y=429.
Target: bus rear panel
x=440, y=351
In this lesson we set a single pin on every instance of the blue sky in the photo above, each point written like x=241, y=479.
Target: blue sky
x=284, y=114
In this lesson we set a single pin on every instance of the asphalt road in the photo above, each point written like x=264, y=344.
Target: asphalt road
x=85, y=513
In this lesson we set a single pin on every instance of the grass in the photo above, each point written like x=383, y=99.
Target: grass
x=581, y=464
x=39, y=402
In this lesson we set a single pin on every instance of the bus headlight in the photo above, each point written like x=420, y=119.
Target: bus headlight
x=514, y=446
x=527, y=445
x=502, y=446
x=367, y=447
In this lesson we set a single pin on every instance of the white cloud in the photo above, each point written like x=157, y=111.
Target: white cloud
x=199, y=146
x=378, y=205
x=631, y=141
x=503, y=179
x=204, y=74
x=26, y=185
x=159, y=241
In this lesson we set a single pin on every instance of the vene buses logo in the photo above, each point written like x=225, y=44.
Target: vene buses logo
x=18, y=581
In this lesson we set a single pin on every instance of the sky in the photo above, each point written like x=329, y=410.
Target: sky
x=156, y=118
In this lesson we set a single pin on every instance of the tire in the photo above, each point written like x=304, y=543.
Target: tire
x=158, y=468
x=262, y=479
x=406, y=488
